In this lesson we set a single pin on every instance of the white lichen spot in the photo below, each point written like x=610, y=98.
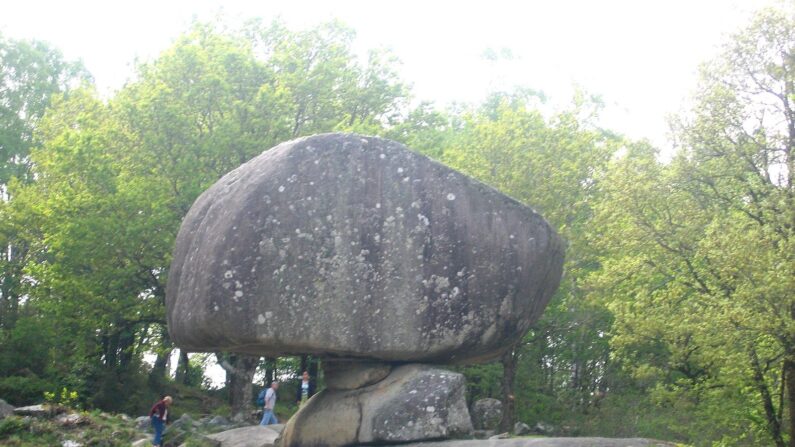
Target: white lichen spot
x=281, y=188
x=228, y=274
x=423, y=220
x=430, y=409
x=511, y=236
x=400, y=170
x=261, y=319
x=382, y=156
x=378, y=205
x=238, y=293
x=450, y=196
x=215, y=308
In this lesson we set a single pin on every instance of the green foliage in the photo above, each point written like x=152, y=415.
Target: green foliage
x=64, y=398
x=674, y=317
x=13, y=425
x=23, y=390
x=697, y=254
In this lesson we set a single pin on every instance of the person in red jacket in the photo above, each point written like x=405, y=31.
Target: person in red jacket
x=159, y=416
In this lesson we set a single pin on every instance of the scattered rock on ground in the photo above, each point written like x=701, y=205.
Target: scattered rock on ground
x=184, y=422
x=483, y=434
x=543, y=428
x=34, y=410
x=143, y=423
x=70, y=420
x=202, y=441
x=521, y=429
x=414, y=402
x=218, y=421
x=142, y=443
x=505, y=435
x=550, y=442
x=486, y=414
x=252, y=436
x=5, y=409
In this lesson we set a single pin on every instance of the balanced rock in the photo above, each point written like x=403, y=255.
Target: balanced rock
x=415, y=402
x=356, y=247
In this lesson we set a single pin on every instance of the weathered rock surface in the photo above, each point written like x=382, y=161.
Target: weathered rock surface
x=521, y=429
x=253, y=436
x=486, y=414
x=143, y=423
x=415, y=402
x=218, y=421
x=5, y=409
x=349, y=375
x=354, y=246
x=543, y=428
x=71, y=420
x=549, y=442
x=34, y=410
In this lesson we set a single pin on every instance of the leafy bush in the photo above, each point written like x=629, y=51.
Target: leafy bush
x=23, y=390
x=13, y=425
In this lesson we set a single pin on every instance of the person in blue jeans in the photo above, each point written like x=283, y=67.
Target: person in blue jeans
x=270, y=403
x=159, y=417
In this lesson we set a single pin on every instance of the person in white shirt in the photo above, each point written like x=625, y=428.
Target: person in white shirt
x=268, y=417
x=305, y=390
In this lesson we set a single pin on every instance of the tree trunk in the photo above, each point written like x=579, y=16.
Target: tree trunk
x=789, y=373
x=314, y=364
x=773, y=423
x=240, y=371
x=270, y=368
x=304, y=364
x=160, y=368
x=181, y=376
x=508, y=361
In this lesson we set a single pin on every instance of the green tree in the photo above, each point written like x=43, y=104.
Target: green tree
x=552, y=164
x=698, y=254
x=114, y=179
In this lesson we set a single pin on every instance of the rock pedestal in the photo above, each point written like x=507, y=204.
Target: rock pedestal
x=362, y=252
x=413, y=403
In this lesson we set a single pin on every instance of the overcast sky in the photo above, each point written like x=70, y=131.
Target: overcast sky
x=640, y=56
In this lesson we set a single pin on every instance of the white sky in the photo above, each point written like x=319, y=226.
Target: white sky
x=640, y=56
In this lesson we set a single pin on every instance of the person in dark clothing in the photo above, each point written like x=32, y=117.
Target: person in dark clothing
x=159, y=416
x=305, y=390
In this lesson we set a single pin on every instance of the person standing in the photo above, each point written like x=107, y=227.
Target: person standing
x=305, y=390
x=159, y=417
x=268, y=417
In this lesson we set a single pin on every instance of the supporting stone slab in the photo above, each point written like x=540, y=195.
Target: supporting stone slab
x=413, y=403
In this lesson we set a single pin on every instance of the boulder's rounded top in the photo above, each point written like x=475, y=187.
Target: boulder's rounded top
x=354, y=246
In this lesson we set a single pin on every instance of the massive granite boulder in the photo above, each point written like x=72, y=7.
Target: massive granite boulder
x=356, y=247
